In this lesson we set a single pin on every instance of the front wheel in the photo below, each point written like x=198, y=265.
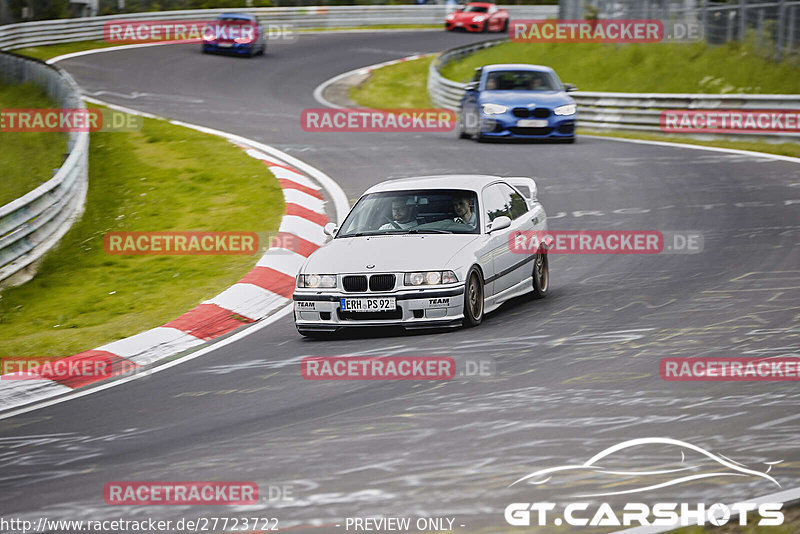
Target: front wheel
x=473, y=299
x=541, y=275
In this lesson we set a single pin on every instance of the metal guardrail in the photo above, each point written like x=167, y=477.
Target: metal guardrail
x=13, y=36
x=33, y=223
x=620, y=111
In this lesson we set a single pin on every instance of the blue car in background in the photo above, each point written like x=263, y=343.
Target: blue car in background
x=236, y=33
x=517, y=101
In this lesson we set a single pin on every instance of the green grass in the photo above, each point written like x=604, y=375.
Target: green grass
x=27, y=159
x=645, y=68
x=164, y=177
x=783, y=149
x=402, y=85
x=50, y=51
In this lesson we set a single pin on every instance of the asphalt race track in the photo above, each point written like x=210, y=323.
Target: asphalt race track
x=575, y=373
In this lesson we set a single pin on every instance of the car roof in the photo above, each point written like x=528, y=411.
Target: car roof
x=516, y=66
x=236, y=16
x=470, y=182
x=482, y=4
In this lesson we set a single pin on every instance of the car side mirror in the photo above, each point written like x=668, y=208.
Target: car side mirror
x=570, y=87
x=472, y=86
x=330, y=229
x=499, y=224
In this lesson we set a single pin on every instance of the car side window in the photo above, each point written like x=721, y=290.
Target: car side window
x=492, y=10
x=494, y=204
x=517, y=206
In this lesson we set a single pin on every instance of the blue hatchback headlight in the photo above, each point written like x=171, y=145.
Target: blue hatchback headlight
x=494, y=109
x=568, y=109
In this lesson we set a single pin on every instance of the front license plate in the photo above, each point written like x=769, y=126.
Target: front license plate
x=532, y=123
x=225, y=45
x=368, y=305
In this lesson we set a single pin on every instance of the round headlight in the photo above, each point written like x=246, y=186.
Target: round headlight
x=314, y=280
x=433, y=278
x=416, y=279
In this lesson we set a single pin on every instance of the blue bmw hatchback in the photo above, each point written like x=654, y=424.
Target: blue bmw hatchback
x=517, y=101
x=236, y=33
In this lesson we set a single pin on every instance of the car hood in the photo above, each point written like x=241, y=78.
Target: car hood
x=467, y=17
x=406, y=252
x=545, y=99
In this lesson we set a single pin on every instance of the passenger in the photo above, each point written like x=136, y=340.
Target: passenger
x=464, y=213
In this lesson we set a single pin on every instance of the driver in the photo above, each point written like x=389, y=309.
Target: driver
x=535, y=83
x=402, y=215
x=464, y=213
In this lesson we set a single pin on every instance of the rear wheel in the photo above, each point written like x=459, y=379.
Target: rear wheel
x=541, y=275
x=473, y=299
x=505, y=27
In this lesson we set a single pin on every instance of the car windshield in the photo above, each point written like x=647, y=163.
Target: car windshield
x=440, y=211
x=520, y=80
x=476, y=9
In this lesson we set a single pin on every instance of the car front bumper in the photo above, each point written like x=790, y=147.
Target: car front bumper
x=505, y=126
x=466, y=26
x=236, y=48
x=319, y=310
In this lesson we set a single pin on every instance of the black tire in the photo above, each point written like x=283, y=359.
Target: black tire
x=485, y=28
x=462, y=134
x=505, y=27
x=541, y=275
x=473, y=298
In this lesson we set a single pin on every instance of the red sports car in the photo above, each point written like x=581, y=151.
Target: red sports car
x=478, y=17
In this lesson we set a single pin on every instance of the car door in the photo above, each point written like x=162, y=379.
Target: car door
x=493, y=23
x=522, y=220
x=496, y=204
